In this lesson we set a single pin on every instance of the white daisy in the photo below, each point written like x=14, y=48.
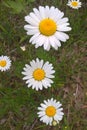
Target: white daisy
x=5, y=63
x=75, y=4
x=38, y=74
x=50, y=111
x=47, y=26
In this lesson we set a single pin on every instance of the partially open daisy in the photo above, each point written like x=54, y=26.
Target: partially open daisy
x=5, y=63
x=38, y=74
x=75, y=4
x=47, y=26
x=50, y=112
x=23, y=48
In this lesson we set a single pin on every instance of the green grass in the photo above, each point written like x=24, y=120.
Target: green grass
x=18, y=104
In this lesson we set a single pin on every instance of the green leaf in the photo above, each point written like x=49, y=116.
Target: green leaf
x=17, y=6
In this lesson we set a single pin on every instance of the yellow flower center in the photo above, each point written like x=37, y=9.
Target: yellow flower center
x=50, y=111
x=39, y=74
x=47, y=27
x=2, y=63
x=74, y=3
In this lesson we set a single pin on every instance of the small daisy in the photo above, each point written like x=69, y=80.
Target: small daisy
x=75, y=4
x=47, y=27
x=38, y=74
x=50, y=112
x=5, y=63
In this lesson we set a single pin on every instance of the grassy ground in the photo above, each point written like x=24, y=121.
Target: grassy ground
x=18, y=104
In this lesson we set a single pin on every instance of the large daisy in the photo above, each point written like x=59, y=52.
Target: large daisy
x=50, y=112
x=47, y=27
x=75, y=4
x=38, y=74
x=5, y=63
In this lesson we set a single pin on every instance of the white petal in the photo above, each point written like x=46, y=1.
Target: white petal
x=61, y=36
x=41, y=108
x=31, y=21
x=44, y=84
x=47, y=11
x=43, y=105
x=47, y=82
x=62, y=21
x=34, y=37
x=59, y=16
x=46, y=44
x=40, y=41
x=40, y=86
x=27, y=27
x=41, y=113
x=46, y=119
x=37, y=13
x=31, y=81
x=58, y=118
x=33, y=16
x=49, y=76
x=32, y=31
x=63, y=28
x=42, y=11
x=53, y=42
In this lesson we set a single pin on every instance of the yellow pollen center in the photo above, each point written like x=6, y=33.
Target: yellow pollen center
x=50, y=111
x=39, y=74
x=2, y=63
x=74, y=3
x=47, y=27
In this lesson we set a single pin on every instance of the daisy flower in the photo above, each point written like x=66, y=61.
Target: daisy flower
x=38, y=74
x=47, y=27
x=50, y=112
x=75, y=4
x=5, y=63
